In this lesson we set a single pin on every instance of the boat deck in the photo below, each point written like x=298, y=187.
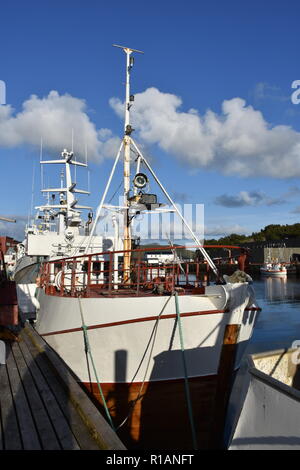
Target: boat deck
x=42, y=407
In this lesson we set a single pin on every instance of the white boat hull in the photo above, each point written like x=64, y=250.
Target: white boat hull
x=266, y=272
x=136, y=349
x=268, y=417
x=126, y=324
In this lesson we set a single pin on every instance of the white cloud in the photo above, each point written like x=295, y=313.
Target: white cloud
x=53, y=118
x=224, y=230
x=238, y=141
x=246, y=198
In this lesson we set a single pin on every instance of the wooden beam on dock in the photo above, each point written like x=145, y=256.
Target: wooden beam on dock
x=41, y=404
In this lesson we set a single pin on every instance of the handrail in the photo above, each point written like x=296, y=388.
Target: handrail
x=105, y=272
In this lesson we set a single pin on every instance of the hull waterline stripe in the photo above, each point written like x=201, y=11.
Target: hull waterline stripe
x=144, y=319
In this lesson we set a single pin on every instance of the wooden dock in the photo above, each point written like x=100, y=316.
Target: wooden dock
x=42, y=407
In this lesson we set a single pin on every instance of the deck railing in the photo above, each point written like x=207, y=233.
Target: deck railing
x=104, y=274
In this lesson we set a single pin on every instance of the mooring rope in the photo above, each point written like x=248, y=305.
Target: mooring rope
x=153, y=335
x=186, y=381
x=88, y=351
x=187, y=389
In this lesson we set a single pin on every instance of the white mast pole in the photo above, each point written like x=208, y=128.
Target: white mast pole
x=127, y=234
x=61, y=217
x=127, y=139
x=67, y=156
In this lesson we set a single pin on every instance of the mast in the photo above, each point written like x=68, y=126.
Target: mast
x=67, y=208
x=127, y=127
x=127, y=141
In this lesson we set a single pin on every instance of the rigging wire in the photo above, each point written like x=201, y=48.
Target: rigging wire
x=115, y=192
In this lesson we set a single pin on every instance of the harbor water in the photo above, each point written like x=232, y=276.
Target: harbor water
x=277, y=327
x=278, y=324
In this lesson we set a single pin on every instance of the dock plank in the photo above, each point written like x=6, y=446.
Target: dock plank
x=43, y=424
x=26, y=424
x=1, y=431
x=98, y=429
x=11, y=439
x=42, y=407
x=76, y=424
x=1, y=425
x=59, y=422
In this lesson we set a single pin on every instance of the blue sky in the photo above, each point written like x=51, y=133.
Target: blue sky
x=201, y=52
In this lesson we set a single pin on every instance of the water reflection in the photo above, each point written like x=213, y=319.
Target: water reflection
x=281, y=289
x=275, y=288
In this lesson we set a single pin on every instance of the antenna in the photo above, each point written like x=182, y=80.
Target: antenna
x=62, y=175
x=32, y=190
x=72, y=140
x=125, y=48
x=72, y=151
x=41, y=159
x=86, y=154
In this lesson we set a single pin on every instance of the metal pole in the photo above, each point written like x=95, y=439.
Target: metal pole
x=127, y=234
x=6, y=219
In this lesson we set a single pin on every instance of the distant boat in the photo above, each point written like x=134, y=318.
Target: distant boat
x=273, y=269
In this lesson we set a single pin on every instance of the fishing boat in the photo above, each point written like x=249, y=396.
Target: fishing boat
x=275, y=269
x=157, y=344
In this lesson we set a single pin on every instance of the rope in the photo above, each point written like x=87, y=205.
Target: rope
x=187, y=390
x=186, y=382
x=89, y=352
x=153, y=335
